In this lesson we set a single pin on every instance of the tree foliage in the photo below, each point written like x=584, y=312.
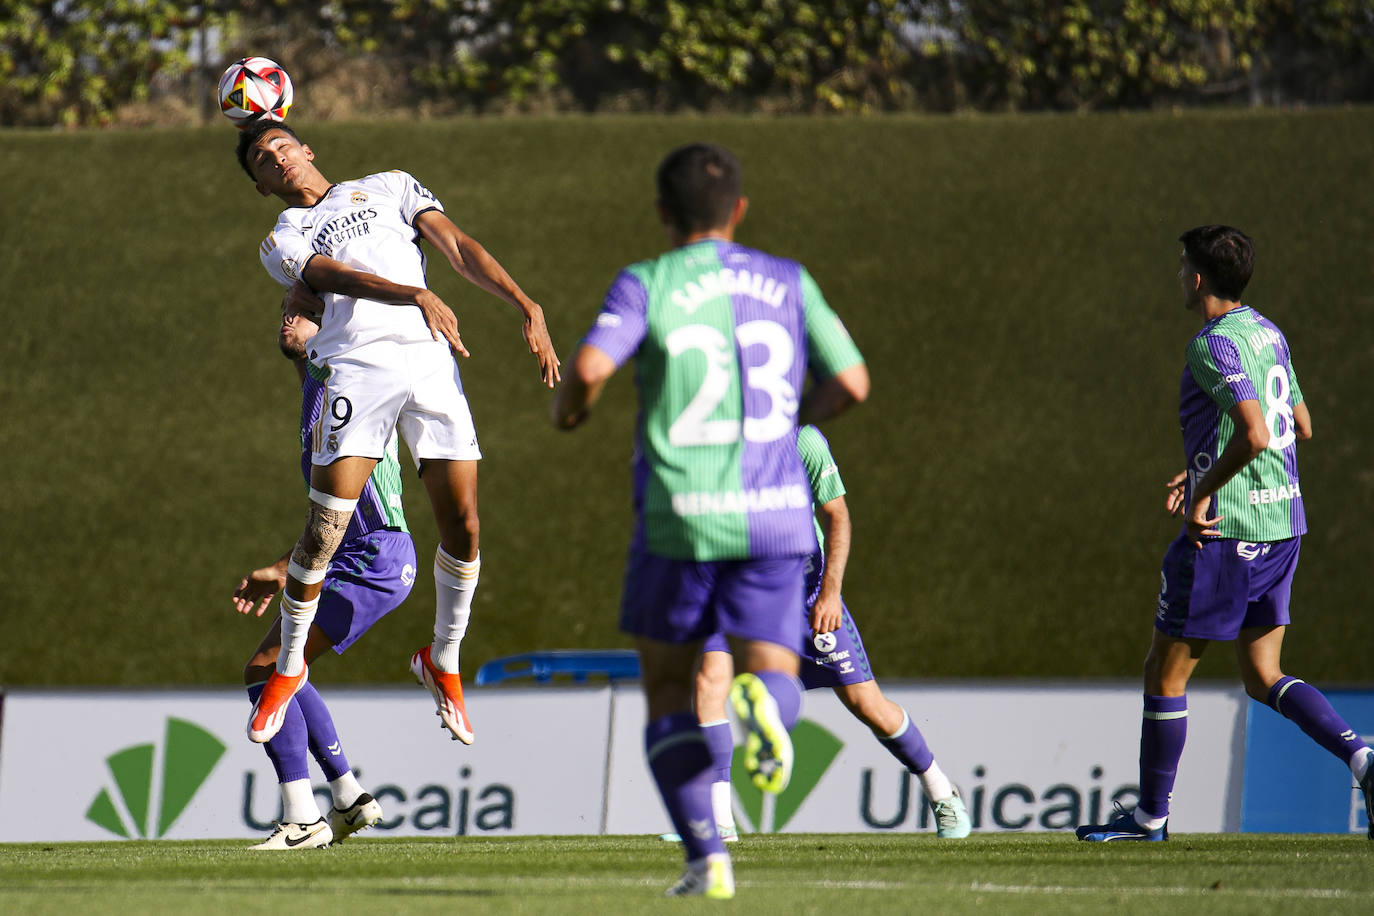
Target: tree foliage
x=1317, y=51
x=591, y=54
x=74, y=62
x=80, y=61
x=1087, y=54
x=1092, y=53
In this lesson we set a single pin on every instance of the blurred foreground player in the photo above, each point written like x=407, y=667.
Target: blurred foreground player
x=723, y=337
x=832, y=655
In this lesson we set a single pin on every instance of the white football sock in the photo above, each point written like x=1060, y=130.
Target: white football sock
x=1360, y=762
x=721, y=807
x=454, y=582
x=298, y=803
x=935, y=783
x=345, y=790
x=1149, y=821
x=296, y=617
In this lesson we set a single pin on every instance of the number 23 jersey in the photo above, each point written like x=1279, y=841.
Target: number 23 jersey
x=723, y=336
x=1238, y=356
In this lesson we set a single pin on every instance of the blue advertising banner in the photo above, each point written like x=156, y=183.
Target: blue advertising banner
x=1292, y=784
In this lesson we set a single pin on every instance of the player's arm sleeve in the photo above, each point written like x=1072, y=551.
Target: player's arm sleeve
x=414, y=197
x=285, y=252
x=1216, y=365
x=829, y=348
x=820, y=465
x=621, y=324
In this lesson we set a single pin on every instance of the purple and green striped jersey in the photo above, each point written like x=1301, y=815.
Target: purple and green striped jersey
x=723, y=337
x=380, y=503
x=1241, y=356
x=821, y=470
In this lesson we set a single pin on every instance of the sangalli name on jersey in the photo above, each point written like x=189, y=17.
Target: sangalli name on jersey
x=725, y=281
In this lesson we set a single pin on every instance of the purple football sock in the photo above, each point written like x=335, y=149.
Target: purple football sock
x=324, y=740
x=787, y=693
x=681, y=765
x=720, y=741
x=1306, y=707
x=909, y=747
x=286, y=749
x=1163, y=730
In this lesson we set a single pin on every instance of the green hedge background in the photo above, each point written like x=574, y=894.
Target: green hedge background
x=1011, y=281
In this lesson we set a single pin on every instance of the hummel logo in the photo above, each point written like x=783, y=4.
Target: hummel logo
x=335, y=750
x=702, y=829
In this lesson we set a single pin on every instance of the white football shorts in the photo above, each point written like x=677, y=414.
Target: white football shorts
x=412, y=388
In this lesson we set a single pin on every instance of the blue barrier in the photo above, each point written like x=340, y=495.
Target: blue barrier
x=579, y=664
x=1279, y=757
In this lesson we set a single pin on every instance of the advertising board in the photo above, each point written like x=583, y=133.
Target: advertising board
x=177, y=764
x=570, y=760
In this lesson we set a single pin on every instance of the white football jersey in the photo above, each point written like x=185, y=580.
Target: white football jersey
x=367, y=224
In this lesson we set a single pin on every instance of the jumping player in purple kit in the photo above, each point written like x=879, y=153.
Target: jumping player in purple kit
x=723, y=337
x=1229, y=573
x=833, y=657
x=369, y=576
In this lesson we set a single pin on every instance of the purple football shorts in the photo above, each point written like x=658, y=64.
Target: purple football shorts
x=683, y=600
x=830, y=659
x=368, y=578
x=833, y=659
x=1225, y=587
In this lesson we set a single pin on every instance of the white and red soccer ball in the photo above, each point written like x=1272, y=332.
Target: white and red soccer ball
x=255, y=89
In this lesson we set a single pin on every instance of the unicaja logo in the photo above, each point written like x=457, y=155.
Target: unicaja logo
x=813, y=750
x=150, y=790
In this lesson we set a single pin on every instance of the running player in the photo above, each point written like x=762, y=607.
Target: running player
x=384, y=353
x=833, y=656
x=370, y=575
x=1228, y=575
x=723, y=336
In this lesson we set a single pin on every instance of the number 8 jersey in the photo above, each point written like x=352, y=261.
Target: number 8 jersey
x=1238, y=356
x=723, y=336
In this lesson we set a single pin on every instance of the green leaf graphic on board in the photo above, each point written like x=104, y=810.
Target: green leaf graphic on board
x=102, y=812
x=132, y=769
x=189, y=753
x=813, y=750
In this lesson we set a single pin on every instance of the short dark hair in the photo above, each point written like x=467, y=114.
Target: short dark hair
x=1224, y=256
x=253, y=133
x=698, y=185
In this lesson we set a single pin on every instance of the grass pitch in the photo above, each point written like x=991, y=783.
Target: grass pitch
x=792, y=873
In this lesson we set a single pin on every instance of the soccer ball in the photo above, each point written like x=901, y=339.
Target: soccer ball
x=254, y=89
